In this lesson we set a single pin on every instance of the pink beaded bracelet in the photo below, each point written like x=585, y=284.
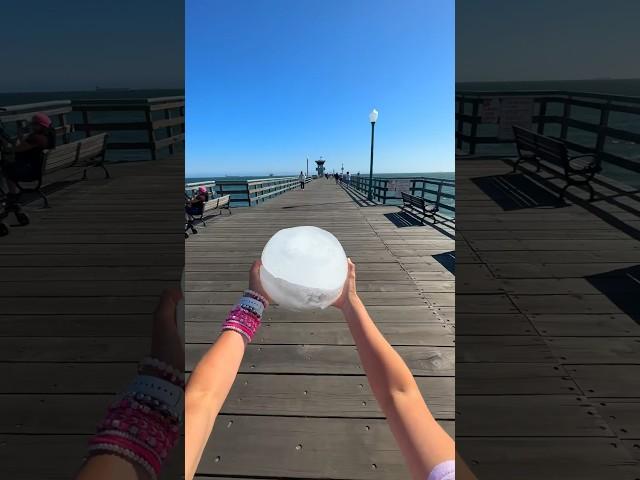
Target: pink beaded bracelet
x=242, y=321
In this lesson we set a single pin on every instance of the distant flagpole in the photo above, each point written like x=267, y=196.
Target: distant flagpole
x=307, y=166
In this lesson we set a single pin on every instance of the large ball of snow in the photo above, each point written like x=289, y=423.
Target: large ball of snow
x=303, y=268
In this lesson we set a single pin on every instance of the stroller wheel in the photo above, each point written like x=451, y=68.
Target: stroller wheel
x=4, y=229
x=194, y=231
x=23, y=218
x=186, y=235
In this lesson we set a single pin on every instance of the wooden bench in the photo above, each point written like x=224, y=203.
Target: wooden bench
x=218, y=203
x=85, y=153
x=577, y=170
x=418, y=205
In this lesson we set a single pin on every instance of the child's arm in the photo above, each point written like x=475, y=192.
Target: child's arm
x=210, y=384
x=421, y=439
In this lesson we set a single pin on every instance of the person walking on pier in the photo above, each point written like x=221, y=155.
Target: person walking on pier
x=428, y=450
x=301, y=179
x=347, y=179
x=335, y=176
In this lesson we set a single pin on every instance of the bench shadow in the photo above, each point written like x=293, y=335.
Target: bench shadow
x=621, y=287
x=516, y=191
x=592, y=207
x=447, y=260
x=403, y=219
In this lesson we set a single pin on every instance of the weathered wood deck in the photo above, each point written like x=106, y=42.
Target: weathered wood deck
x=301, y=406
x=77, y=289
x=548, y=357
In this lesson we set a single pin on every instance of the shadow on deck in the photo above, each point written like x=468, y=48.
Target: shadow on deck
x=547, y=323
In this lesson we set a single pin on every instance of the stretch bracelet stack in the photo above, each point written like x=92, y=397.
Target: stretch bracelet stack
x=245, y=317
x=163, y=370
x=143, y=425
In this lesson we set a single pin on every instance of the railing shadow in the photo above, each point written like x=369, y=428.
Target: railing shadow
x=621, y=287
x=447, y=260
x=358, y=197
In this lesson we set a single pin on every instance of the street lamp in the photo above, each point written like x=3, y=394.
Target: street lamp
x=373, y=117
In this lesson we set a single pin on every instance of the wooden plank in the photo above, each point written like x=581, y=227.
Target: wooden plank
x=622, y=415
x=529, y=415
x=60, y=456
x=493, y=324
x=326, y=333
x=380, y=313
x=536, y=458
x=513, y=379
x=512, y=349
x=597, y=325
x=325, y=396
x=588, y=350
x=328, y=359
x=607, y=380
x=301, y=447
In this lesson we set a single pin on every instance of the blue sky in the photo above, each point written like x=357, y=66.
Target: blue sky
x=546, y=40
x=270, y=82
x=80, y=44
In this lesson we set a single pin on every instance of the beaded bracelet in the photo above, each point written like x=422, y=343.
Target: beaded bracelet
x=251, y=304
x=127, y=449
x=243, y=322
x=162, y=367
x=143, y=424
x=257, y=296
x=163, y=370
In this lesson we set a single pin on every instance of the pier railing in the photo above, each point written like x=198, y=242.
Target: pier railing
x=142, y=126
x=139, y=129
x=210, y=185
x=252, y=192
x=607, y=125
x=438, y=192
x=379, y=186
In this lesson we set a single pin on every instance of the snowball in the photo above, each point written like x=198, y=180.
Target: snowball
x=303, y=268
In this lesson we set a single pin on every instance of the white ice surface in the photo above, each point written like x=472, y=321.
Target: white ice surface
x=303, y=268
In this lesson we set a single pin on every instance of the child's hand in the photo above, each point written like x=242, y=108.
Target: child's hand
x=349, y=293
x=254, y=280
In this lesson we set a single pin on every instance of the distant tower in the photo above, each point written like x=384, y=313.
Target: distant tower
x=342, y=169
x=320, y=167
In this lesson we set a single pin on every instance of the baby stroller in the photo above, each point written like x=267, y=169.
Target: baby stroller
x=8, y=205
x=188, y=219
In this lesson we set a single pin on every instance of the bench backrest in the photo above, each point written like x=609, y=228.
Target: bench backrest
x=211, y=204
x=545, y=148
x=67, y=154
x=60, y=157
x=413, y=200
x=93, y=146
x=222, y=201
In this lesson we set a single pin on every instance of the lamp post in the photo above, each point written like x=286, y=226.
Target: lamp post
x=373, y=117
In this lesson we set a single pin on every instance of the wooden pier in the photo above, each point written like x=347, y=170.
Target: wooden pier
x=78, y=287
x=548, y=333
x=77, y=290
x=301, y=406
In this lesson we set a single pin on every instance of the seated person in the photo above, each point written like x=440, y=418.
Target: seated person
x=27, y=163
x=195, y=205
